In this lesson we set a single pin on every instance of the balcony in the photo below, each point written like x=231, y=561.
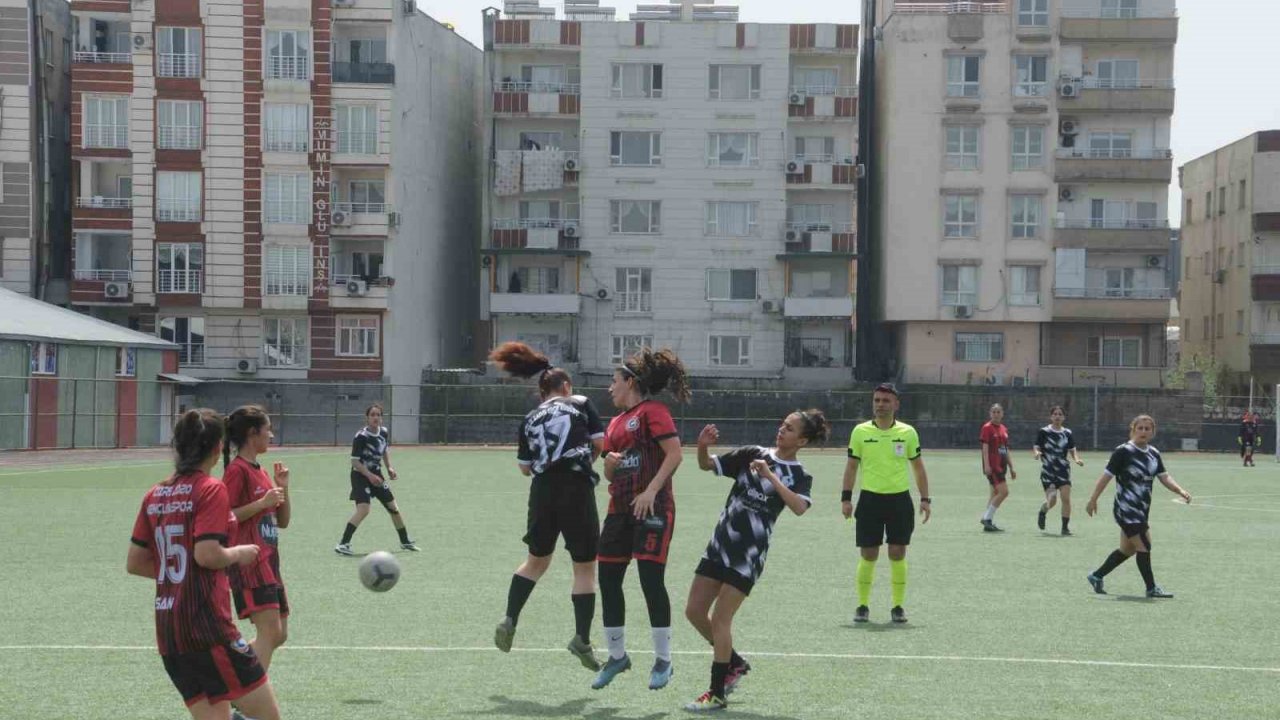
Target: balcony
x=179, y=281
x=549, y=34
x=286, y=140
x=177, y=65
x=288, y=67
x=534, y=303
x=823, y=102
x=365, y=73
x=1269, y=338
x=822, y=39
x=363, y=218
x=363, y=145
x=367, y=293
x=820, y=238
x=93, y=57
x=1128, y=25
x=1111, y=303
x=98, y=202
x=177, y=211
x=821, y=172
x=1266, y=283
x=537, y=235
x=525, y=171
x=1120, y=96
x=1113, y=165
x=179, y=137
x=106, y=137
x=1117, y=234
x=101, y=260
x=365, y=10
x=818, y=307
x=536, y=98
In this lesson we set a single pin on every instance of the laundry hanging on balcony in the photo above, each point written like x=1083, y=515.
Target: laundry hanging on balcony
x=543, y=170
x=506, y=178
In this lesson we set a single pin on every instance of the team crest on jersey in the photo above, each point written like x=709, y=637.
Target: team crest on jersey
x=633, y=424
x=899, y=449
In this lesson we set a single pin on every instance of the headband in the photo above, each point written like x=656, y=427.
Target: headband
x=628, y=371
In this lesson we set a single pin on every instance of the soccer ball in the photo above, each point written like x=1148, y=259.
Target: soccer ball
x=379, y=571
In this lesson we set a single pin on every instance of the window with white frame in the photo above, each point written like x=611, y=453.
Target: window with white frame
x=1111, y=145
x=729, y=351
x=181, y=124
x=635, y=290
x=1119, y=351
x=959, y=285
x=963, y=75
x=1024, y=285
x=538, y=280
x=1025, y=211
x=812, y=217
x=635, y=148
x=1120, y=9
x=725, y=284
x=188, y=334
x=358, y=336
x=960, y=216
x=177, y=196
x=811, y=149
x=288, y=198
x=179, y=267
x=357, y=129
x=288, y=270
x=287, y=127
x=1119, y=282
x=1033, y=13
x=1031, y=76
x=539, y=213
x=44, y=359
x=979, y=347
x=178, y=52
x=367, y=196
x=734, y=82
x=106, y=122
x=541, y=140
x=288, y=55
x=363, y=264
x=733, y=149
x=366, y=51
x=635, y=217
x=815, y=80
x=962, y=147
x=813, y=284
x=624, y=346
x=126, y=362
x=1121, y=74
x=284, y=342
x=1028, y=147
x=637, y=80
x=731, y=219
x=547, y=78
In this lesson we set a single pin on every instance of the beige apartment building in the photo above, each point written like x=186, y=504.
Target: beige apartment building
x=1230, y=296
x=1024, y=168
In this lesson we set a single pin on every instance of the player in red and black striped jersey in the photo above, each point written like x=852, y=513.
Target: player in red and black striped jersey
x=181, y=541
x=643, y=452
x=261, y=506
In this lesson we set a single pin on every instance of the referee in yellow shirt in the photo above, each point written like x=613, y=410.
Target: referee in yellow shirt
x=883, y=448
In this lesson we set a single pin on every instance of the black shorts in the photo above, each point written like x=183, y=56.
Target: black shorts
x=563, y=505
x=880, y=519
x=996, y=478
x=256, y=599
x=716, y=571
x=1142, y=530
x=1246, y=449
x=363, y=491
x=623, y=537
x=1053, y=481
x=220, y=674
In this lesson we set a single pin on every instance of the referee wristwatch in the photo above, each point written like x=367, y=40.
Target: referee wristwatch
x=926, y=500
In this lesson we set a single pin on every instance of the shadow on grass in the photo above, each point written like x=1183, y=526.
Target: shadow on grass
x=361, y=701
x=511, y=707
x=881, y=627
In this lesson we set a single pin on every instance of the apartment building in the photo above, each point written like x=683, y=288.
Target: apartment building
x=1024, y=170
x=35, y=104
x=277, y=186
x=679, y=179
x=1230, y=297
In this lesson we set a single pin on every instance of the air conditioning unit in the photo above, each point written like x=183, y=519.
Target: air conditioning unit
x=1068, y=127
x=341, y=217
x=246, y=367
x=796, y=98
x=795, y=167
x=1155, y=261
x=357, y=287
x=1069, y=89
x=141, y=41
x=393, y=219
x=964, y=311
x=792, y=236
x=571, y=164
x=771, y=306
x=1066, y=194
x=604, y=294
x=572, y=230
x=115, y=290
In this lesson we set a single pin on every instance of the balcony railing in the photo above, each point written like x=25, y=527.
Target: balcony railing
x=114, y=137
x=363, y=208
x=1112, y=224
x=638, y=302
x=287, y=283
x=178, y=281
x=191, y=353
x=1097, y=13
x=288, y=140
x=1094, y=82
x=819, y=227
x=177, y=211
x=97, y=202
x=512, y=86
x=837, y=90
x=357, y=143
x=103, y=275
x=1272, y=338
x=951, y=298
x=288, y=67
x=369, y=73
x=179, y=138
x=103, y=58
x=1114, y=154
x=930, y=8
x=1113, y=293
x=344, y=278
x=1265, y=269
x=178, y=65
x=530, y=223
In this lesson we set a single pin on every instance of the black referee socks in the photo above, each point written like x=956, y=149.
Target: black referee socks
x=584, y=609
x=518, y=595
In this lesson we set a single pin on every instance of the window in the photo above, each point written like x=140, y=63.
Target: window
x=540, y=213
x=1028, y=147
x=106, y=122
x=46, y=47
x=1026, y=216
x=288, y=270
x=737, y=149
x=1033, y=13
x=962, y=147
x=624, y=346
x=642, y=217
x=1187, y=213
x=731, y=219
x=637, y=80
x=1242, y=202
x=288, y=198
x=815, y=149
x=178, y=52
x=813, y=284
x=357, y=129
x=635, y=290
x=1111, y=145
x=961, y=220
x=178, y=267
x=1222, y=200
x=1122, y=74
x=811, y=217
x=959, y=285
x=363, y=264
x=181, y=124
x=536, y=280
x=1024, y=285
x=816, y=81
x=1120, y=214
x=1186, y=331
x=1118, y=282
x=730, y=350
x=1239, y=322
x=44, y=359
x=284, y=342
x=367, y=196
x=188, y=334
x=963, y=75
x=288, y=55
x=1031, y=78
x=126, y=362
x=288, y=127
x=358, y=336
x=1208, y=327
x=731, y=284
x=979, y=347
x=541, y=140
x=735, y=82
x=1240, y=254
x=1120, y=9
x=1208, y=205
x=367, y=51
x=635, y=148
x=1218, y=326
x=66, y=55
x=1207, y=264
x=1120, y=352
x=177, y=196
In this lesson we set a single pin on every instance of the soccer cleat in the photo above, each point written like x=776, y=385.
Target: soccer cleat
x=862, y=614
x=611, y=669
x=1040, y=517
x=898, y=614
x=343, y=549
x=1096, y=583
x=707, y=702
x=990, y=526
x=661, y=674
x=237, y=715
x=736, y=673
x=504, y=634
x=1158, y=592
x=1066, y=532
x=411, y=546
x=586, y=654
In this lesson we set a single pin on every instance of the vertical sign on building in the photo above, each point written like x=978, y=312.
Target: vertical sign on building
x=321, y=205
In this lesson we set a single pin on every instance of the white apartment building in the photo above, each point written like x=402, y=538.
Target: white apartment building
x=681, y=179
x=1024, y=173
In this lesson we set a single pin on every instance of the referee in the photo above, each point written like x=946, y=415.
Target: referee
x=883, y=447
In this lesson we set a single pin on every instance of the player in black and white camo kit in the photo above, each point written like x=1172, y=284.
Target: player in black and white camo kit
x=1053, y=443
x=370, y=450
x=1135, y=465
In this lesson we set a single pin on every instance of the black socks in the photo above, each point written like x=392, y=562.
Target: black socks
x=718, y=673
x=1115, y=560
x=584, y=609
x=517, y=596
x=346, y=534
x=1144, y=567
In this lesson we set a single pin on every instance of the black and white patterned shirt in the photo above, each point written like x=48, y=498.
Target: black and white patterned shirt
x=1135, y=470
x=1053, y=446
x=558, y=437
x=741, y=538
x=369, y=447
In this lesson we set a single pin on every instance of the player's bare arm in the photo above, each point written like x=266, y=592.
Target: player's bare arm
x=1173, y=487
x=284, y=511
x=210, y=554
x=793, y=501
x=140, y=562
x=1092, y=508
x=708, y=437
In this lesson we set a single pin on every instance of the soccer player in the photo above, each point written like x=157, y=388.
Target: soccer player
x=180, y=542
x=369, y=451
x=996, y=465
x=261, y=505
x=1053, y=444
x=1248, y=438
x=765, y=481
x=882, y=448
x=558, y=442
x=643, y=452
x=1135, y=465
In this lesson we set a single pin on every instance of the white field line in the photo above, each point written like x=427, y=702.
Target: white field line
x=1197, y=504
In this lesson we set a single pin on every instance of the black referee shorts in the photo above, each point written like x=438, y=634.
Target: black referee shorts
x=565, y=505
x=884, y=519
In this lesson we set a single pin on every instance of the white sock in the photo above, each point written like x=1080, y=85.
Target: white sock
x=990, y=514
x=662, y=643
x=617, y=639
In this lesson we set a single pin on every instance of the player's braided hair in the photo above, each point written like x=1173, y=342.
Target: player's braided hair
x=195, y=437
x=814, y=426
x=240, y=423
x=522, y=361
x=655, y=371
